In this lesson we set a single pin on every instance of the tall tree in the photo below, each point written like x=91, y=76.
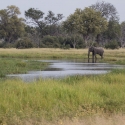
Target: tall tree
x=107, y=10
x=52, y=22
x=11, y=27
x=121, y=36
x=35, y=17
x=87, y=22
x=69, y=27
x=44, y=26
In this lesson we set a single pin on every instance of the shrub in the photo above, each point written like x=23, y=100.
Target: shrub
x=112, y=45
x=66, y=46
x=24, y=43
x=50, y=42
x=6, y=45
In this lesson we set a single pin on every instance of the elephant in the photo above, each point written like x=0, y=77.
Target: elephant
x=95, y=50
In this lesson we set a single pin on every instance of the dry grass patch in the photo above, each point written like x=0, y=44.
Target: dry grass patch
x=43, y=53
x=95, y=120
x=109, y=55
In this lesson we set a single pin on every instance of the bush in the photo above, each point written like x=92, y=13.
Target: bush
x=66, y=47
x=9, y=45
x=1, y=45
x=50, y=42
x=112, y=45
x=24, y=43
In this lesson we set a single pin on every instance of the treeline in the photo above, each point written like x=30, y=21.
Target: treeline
x=96, y=25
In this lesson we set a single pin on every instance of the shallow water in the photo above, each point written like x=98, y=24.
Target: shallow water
x=64, y=68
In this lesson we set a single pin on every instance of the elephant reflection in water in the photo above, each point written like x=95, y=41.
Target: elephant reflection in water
x=95, y=50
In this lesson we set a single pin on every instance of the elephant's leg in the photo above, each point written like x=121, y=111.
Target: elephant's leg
x=88, y=56
x=102, y=57
x=93, y=56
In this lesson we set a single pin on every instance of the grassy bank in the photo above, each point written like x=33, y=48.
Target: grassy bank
x=17, y=65
x=43, y=53
x=73, y=97
x=113, y=56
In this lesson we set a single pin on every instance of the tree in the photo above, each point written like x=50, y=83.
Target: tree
x=121, y=36
x=113, y=30
x=43, y=26
x=69, y=24
x=35, y=17
x=87, y=22
x=52, y=22
x=69, y=27
x=112, y=33
x=107, y=10
x=50, y=41
x=32, y=33
x=51, y=19
x=11, y=27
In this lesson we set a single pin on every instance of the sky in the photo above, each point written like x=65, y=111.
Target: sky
x=65, y=7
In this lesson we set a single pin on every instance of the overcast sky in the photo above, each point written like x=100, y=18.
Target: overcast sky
x=65, y=7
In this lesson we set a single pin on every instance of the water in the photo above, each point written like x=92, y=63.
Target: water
x=64, y=68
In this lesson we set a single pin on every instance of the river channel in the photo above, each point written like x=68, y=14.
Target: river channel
x=64, y=68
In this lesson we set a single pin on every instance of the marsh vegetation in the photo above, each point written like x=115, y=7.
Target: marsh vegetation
x=58, y=100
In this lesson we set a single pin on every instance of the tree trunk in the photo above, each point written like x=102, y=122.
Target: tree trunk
x=85, y=37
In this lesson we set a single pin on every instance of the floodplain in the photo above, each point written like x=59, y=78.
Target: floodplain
x=81, y=100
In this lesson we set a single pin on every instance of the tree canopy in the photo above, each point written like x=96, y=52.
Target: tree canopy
x=87, y=22
x=97, y=24
x=107, y=10
x=11, y=26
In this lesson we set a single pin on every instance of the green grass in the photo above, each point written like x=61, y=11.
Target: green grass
x=12, y=61
x=110, y=56
x=15, y=66
x=43, y=53
x=71, y=97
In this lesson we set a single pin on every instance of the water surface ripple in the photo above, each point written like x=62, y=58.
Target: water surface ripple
x=63, y=68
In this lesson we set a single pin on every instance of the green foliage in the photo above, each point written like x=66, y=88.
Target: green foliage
x=112, y=45
x=95, y=44
x=21, y=64
x=100, y=18
x=71, y=97
x=24, y=43
x=50, y=41
x=14, y=66
x=87, y=22
x=113, y=31
x=34, y=14
x=106, y=9
x=72, y=40
x=11, y=27
x=67, y=46
x=53, y=99
x=44, y=26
